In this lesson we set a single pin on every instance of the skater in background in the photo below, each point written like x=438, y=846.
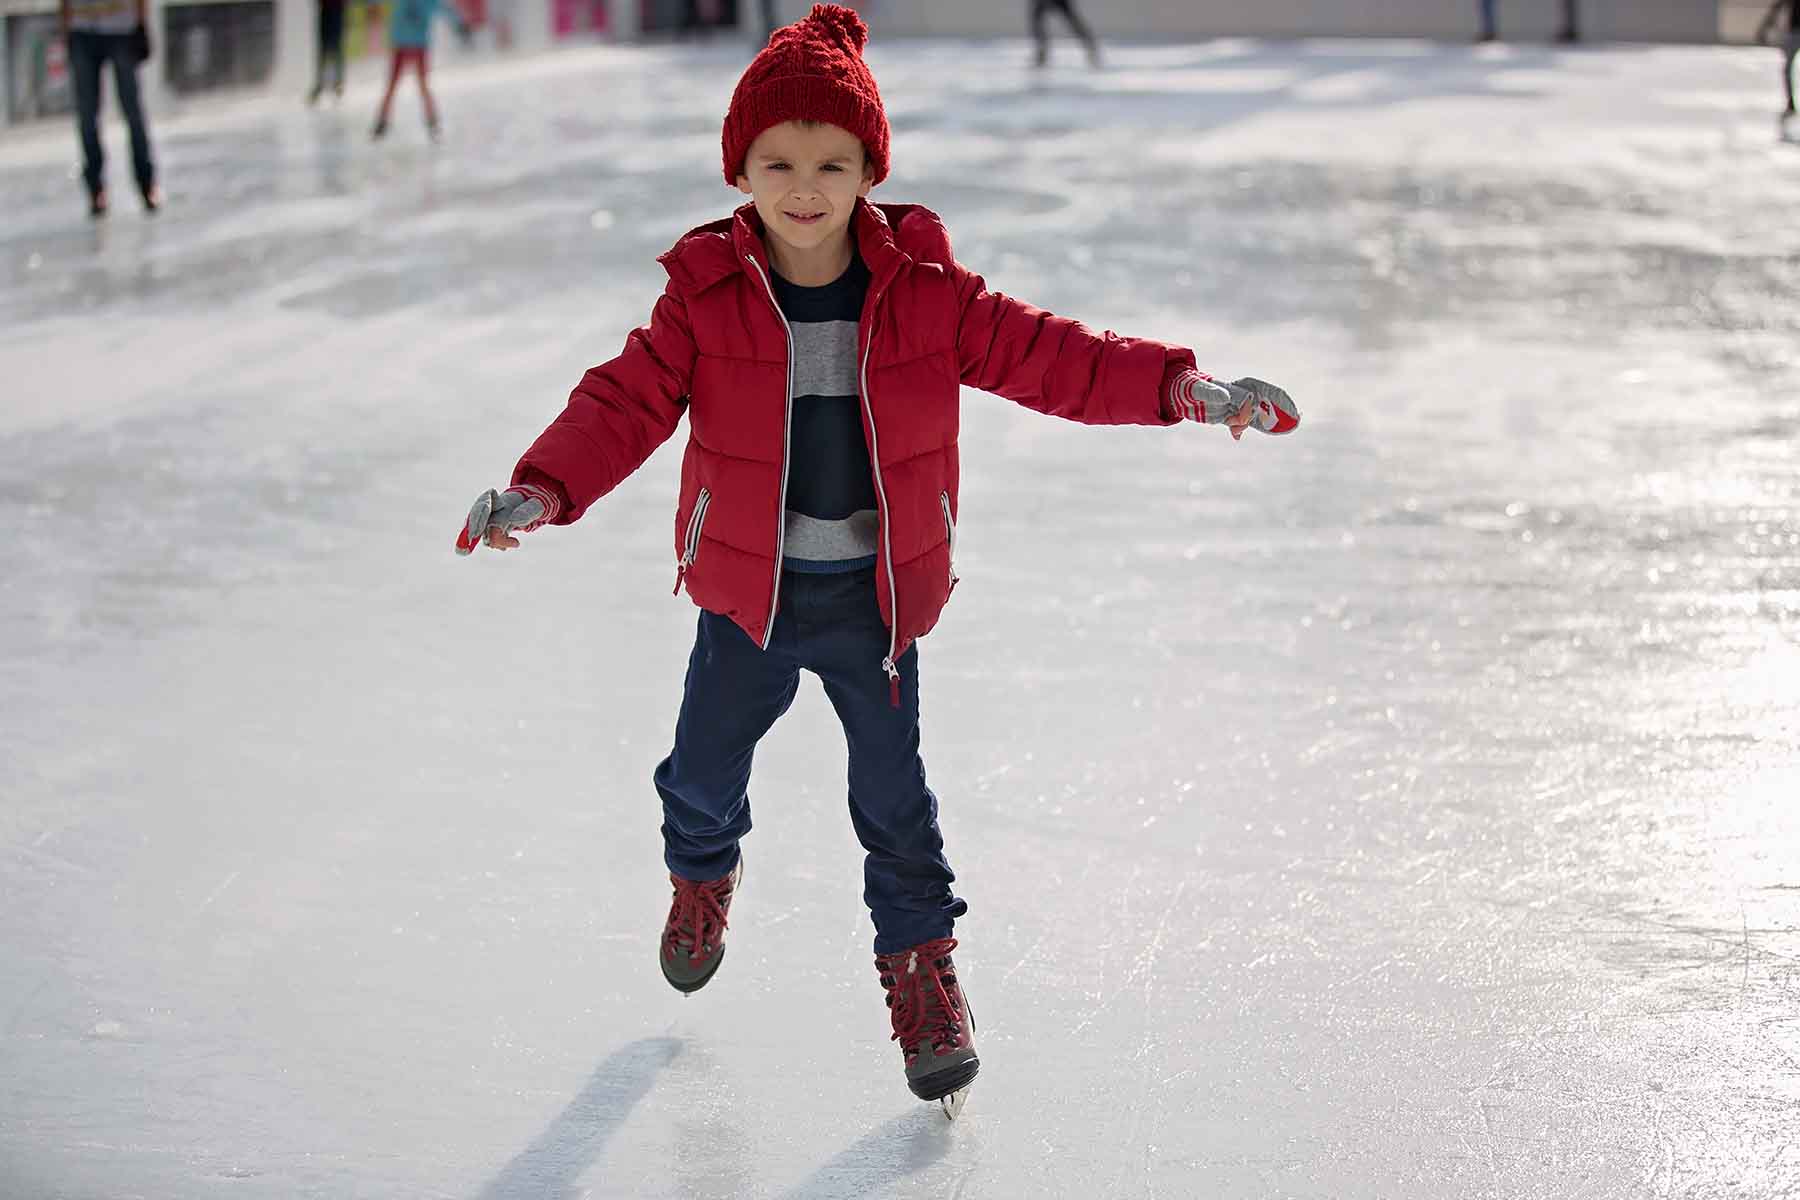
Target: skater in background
x=1569, y=32
x=409, y=36
x=1765, y=31
x=1040, y=19
x=816, y=344
x=99, y=32
x=331, y=50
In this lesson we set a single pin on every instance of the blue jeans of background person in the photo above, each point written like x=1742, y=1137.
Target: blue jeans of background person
x=829, y=625
x=1487, y=18
x=88, y=55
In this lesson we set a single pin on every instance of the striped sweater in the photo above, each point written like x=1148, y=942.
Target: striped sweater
x=832, y=523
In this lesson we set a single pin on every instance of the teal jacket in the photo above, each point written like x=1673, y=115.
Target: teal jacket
x=409, y=22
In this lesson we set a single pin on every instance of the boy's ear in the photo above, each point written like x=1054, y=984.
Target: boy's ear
x=744, y=185
x=868, y=179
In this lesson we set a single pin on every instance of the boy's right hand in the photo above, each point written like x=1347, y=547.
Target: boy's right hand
x=496, y=516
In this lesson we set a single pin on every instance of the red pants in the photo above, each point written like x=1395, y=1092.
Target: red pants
x=417, y=57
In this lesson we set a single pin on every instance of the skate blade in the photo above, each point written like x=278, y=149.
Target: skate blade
x=953, y=1103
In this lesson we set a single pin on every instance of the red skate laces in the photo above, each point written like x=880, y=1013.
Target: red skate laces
x=697, y=916
x=922, y=997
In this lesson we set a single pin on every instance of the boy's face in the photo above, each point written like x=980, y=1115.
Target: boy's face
x=805, y=180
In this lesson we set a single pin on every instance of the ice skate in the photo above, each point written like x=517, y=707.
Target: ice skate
x=932, y=1022
x=693, y=938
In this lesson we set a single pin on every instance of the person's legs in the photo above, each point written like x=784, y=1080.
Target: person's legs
x=1489, y=30
x=734, y=693
x=1787, y=68
x=1571, y=30
x=906, y=878
x=125, y=67
x=1081, y=30
x=331, y=45
x=319, y=64
x=85, y=60
x=1040, y=33
x=395, y=61
x=422, y=64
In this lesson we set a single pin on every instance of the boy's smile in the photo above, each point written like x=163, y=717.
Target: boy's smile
x=805, y=180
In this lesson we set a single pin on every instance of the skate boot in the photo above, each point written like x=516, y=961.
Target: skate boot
x=693, y=939
x=932, y=1022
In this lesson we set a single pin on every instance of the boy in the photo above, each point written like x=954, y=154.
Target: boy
x=817, y=343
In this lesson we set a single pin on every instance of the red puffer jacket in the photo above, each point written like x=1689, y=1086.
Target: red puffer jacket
x=717, y=347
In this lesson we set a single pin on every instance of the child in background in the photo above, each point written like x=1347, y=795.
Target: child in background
x=409, y=35
x=817, y=344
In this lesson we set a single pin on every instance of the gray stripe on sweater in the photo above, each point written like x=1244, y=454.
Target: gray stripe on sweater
x=856, y=536
x=825, y=358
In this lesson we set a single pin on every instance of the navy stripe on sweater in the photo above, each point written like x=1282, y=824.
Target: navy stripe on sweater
x=832, y=523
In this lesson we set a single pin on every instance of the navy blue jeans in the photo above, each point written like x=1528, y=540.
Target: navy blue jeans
x=89, y=53
x=735, y=692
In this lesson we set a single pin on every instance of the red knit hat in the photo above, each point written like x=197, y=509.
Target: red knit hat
x=811, y=70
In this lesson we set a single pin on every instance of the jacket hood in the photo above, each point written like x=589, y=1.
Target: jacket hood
x=704, y=255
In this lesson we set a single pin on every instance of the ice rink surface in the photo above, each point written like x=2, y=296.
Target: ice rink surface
x=1406, y=808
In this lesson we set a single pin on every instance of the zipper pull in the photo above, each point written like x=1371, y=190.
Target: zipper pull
x=893, y=674
x=680, y=570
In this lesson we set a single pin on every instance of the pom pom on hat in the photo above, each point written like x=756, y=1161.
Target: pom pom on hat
x=842, y=22
x=811, y=70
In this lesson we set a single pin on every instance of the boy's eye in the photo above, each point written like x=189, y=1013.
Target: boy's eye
x=778, y=166
x=833, y=167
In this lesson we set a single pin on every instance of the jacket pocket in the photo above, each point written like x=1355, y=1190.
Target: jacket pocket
x=949, y=532
x=690, y=548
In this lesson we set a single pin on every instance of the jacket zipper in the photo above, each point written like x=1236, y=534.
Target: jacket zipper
x=950, y=529
x=787, y=432
x=887, y=544
x=692, y=546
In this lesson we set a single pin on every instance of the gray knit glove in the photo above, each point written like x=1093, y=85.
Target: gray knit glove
x=1192, y=396
x=496, y=516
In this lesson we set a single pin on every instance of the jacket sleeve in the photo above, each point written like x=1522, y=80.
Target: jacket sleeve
x=618, y=414
x=1058, y=366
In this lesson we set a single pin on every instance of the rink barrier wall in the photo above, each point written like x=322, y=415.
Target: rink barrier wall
x=535, y=24
x=1452, y=20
